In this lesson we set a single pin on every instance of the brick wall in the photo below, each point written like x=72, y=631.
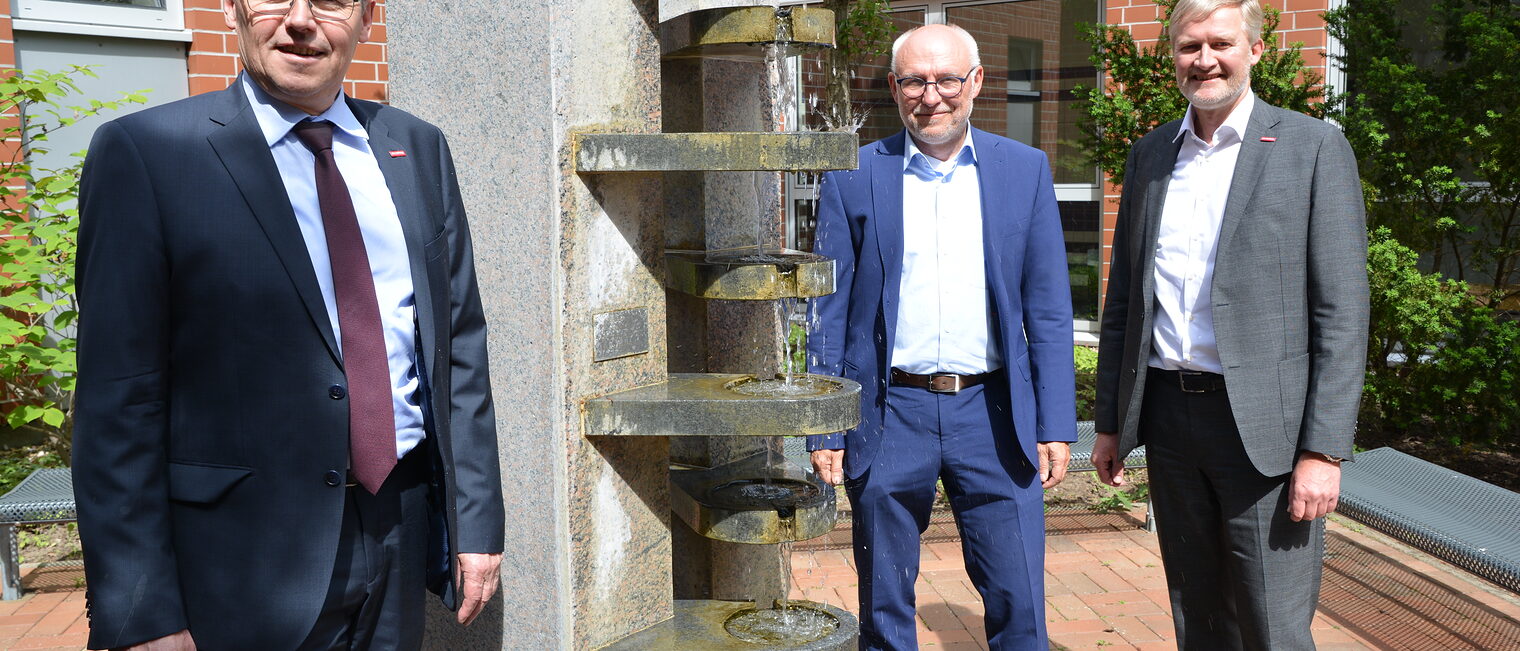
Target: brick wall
x=213, y=62
x=1300, y=22
x=8, y=62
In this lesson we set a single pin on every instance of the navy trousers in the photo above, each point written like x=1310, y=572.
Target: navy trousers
x=965, y=439
x=375, y=599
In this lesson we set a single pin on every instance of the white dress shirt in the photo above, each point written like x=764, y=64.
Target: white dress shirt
x=943, y=324
x=1187, y=243
x=384, y=242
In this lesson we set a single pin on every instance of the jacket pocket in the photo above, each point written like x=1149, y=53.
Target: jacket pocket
x=203, y=484
x=436, y=246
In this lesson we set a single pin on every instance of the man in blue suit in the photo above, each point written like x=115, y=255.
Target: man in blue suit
x=953, y=311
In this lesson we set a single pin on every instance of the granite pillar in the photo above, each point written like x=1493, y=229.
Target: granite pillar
x=588, y=555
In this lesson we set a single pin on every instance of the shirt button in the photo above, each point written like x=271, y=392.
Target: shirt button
x=333, y=478
x=336, y=392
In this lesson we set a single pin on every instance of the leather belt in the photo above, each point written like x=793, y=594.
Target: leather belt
x=1190, y=381
x=939, y=382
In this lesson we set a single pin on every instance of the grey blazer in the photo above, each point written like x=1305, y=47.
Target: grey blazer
x=1289, y=289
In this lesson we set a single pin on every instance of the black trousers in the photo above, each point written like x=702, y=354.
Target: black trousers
x=375, y=600
x=1241, y=573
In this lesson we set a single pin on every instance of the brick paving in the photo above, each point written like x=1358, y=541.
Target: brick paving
x=1104, y=590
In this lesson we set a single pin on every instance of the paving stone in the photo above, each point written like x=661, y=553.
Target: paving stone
x=939, y=617
x=1133, y=629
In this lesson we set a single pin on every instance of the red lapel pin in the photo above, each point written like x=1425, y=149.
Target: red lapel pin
x=398, y=153
x=1263, y=139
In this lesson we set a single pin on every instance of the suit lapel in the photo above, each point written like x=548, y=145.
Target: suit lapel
x=1248, y=166
x=1157, y=170
x=887, y=207
x=401, y=178
x=995, y=203
x=240, y=146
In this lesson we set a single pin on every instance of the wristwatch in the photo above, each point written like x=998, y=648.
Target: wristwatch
x=1326, y=457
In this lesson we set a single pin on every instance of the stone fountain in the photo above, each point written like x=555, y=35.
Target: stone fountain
x=629, y=254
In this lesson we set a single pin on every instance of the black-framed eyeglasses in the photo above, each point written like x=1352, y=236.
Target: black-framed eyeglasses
x=914, y=87
x=329, y=10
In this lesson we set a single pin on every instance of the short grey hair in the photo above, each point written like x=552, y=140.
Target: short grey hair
x=976, y=56
x=1187, y=12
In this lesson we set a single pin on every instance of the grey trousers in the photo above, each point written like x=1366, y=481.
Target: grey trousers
x=1241, y=574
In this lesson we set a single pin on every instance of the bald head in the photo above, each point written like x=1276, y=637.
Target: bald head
x=934, y=36
x=945, y=75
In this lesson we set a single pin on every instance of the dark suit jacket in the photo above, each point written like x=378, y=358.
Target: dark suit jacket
x=205, y=435
x=1289, y=289
x=860, y=226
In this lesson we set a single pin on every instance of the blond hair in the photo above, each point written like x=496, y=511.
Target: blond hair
x=1187, y=12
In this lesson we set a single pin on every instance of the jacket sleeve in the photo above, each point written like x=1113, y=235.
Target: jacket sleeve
x=826, y=333
x=481, y=518
x=1338, y=300
x=1046, y=289
x=121, y=403
x=1115, y=310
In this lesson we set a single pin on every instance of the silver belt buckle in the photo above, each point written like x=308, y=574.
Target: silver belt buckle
x=934, y=383
x=1182, y=381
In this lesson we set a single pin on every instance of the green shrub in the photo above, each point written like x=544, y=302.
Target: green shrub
x=1086, y=360
x=1455, y=374
x=38, y=225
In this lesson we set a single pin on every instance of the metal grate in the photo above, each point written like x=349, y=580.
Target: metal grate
x=46, y=495
x=1465, y=521
x=1081, y=451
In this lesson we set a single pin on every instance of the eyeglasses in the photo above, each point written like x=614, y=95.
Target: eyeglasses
x=913, y=87
x=329, y=10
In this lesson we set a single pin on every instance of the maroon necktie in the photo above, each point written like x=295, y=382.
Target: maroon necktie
x=371, y=419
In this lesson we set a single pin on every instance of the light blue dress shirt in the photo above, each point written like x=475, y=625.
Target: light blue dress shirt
x=943, y=323
x=384, y=242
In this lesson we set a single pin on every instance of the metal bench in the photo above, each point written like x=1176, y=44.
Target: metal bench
x=46, y=496
x=1468, y=522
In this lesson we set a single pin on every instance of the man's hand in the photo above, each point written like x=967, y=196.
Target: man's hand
x=1053, y=459
x=479, y=574
x=1105, y=457
x=829, y=464
x=1314, y=488
x=180, y=641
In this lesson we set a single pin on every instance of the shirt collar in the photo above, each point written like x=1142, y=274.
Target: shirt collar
x=1236, y=122
x=912, y=153
x=276, y=118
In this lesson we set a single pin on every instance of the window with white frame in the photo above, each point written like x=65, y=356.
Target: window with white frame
x=141, y=14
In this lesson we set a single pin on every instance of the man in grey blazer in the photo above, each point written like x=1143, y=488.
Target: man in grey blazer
x=1233, y=338
x=284, y=432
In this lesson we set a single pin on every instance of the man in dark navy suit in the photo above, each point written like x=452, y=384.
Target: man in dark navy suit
x=953, y=311
x=284, y=428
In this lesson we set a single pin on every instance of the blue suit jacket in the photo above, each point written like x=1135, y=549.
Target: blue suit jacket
x=860, y=226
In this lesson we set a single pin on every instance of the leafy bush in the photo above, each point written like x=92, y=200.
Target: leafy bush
x=1086, y=360
x=38, y=225
x=1440, y=363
